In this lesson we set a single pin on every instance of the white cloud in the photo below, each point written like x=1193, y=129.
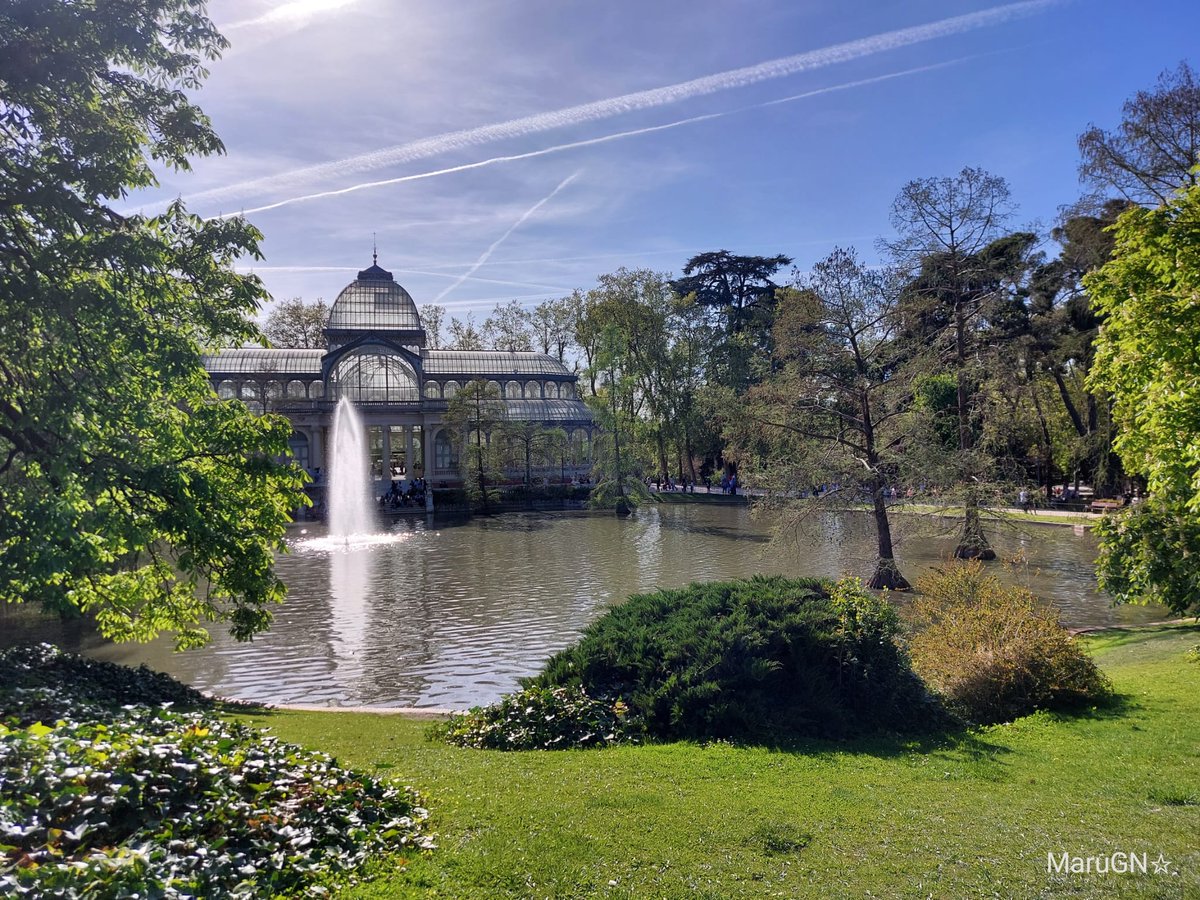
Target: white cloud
x=292, y=12
x=300, y=178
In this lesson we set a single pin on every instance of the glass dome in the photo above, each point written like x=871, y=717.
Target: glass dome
x=374, y=302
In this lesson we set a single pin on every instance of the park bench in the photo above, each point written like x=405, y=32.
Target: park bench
x=1104, y=506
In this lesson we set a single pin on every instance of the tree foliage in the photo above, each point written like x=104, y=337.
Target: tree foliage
x=1155, y=149
x=475, y=418
x=296, y=324
x=1146, y=357
x=832, y=409
x=508, y=328
x=464, y=334
x=126, y=489
x=945, y=228
x=433, y=317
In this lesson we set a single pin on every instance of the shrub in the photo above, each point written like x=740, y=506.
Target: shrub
x=40, y=683
x=542, y=719
x=126, y=800
x=767, y=658
x=995, y=652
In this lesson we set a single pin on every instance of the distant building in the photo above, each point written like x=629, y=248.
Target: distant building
x=376, y=355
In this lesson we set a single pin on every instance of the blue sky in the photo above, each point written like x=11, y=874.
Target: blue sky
x=379, y=90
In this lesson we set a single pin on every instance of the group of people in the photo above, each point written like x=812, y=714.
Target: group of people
x=729, y=484
x=397, y=496
x=668, y=483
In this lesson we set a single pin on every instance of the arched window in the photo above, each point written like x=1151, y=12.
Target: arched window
x=512, y=390
x=566, y=390
x=251, y=391
x=316, y=390
x=295, y=389
x=433, y=391
x=496, y=385
x=533, y=390
x=445, y=456
x=551, y=390
x=274, y=390
x=227, y=390
x=373, y=377
x=450, y=389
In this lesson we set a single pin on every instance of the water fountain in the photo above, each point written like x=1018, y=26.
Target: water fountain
x=351, y=511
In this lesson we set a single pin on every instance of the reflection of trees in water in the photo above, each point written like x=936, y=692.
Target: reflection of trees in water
x=453, y=615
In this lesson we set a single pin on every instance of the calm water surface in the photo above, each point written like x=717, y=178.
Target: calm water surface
x=452, y=614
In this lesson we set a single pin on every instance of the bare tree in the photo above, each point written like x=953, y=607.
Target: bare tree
x=1154, y=151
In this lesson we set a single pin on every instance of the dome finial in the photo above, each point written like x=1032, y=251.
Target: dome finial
x=374, y=250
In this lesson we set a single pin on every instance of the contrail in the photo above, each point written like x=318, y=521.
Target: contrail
x=638, y=100
x=588, y=142
x=504, y=237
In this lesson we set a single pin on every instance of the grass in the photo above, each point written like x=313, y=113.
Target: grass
x=970, y=816
x=1053, y=517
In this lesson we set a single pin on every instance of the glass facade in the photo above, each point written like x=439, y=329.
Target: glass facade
x=370, y=376
x=375, y=356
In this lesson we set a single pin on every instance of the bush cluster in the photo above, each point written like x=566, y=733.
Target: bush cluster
x=40, y=683
x=143, y=800
x=767, y=658
x=543, y=719
x=995, y=652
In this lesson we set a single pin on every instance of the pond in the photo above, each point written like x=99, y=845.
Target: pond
x=452, y=613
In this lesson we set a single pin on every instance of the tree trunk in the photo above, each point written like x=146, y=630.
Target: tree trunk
x=887, y=573
x=972, y=544
x=1069, y=404
x=661, y=447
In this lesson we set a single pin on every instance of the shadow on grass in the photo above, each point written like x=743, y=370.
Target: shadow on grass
x=1110, y=638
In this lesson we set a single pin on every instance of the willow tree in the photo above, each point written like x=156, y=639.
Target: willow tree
x=126, y=489
x=832, y=410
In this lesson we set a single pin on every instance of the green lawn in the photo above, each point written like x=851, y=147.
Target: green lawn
x=974, y=816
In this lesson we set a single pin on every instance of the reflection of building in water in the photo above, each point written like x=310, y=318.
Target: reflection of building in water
x=376, y=355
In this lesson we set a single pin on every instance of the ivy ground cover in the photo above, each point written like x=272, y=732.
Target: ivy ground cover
x=110, y=786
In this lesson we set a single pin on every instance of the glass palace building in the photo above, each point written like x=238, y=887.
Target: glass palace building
x=376, y=355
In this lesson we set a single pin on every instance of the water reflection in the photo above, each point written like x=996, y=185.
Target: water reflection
x=451, y=614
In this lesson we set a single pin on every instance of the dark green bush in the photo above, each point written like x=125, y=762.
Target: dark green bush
x=40, y=683
x=542, y=719
x=116, y=796
x=765, y=659
x=995, y=652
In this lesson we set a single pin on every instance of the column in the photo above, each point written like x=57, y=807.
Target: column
x=316, y=454
x=387, y=454
x=408, y=453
